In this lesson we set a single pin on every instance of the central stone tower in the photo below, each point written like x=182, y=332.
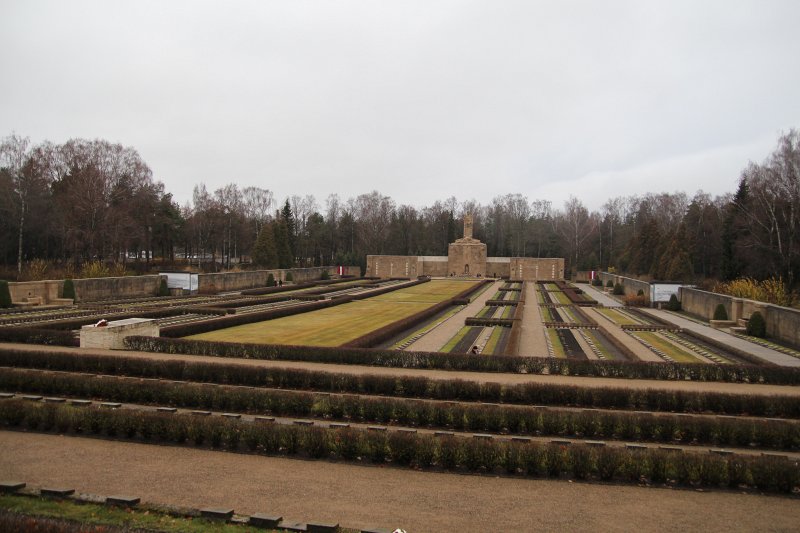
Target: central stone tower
x=466, y=256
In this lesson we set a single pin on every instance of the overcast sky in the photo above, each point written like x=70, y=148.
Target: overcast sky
x=419, y=100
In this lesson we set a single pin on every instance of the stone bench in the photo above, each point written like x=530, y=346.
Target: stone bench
x=263, y=520
x=216, y=514
x=56, y=492
x=321, y=527
x=122, y=501
x=11, y=486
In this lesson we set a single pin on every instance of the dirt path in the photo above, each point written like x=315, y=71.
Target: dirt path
x=613, y=330
x=438, y=336
x=482, y=377
x=532, y=341
x=366, y=496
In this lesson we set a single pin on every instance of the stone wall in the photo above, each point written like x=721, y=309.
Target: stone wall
x=250, y=279
x=783, y=323
x=434, y=266
x=41, y=292
x=498, y=267
x=632, y=286
x=533, y=269
x=393, y=266
x=96, y=289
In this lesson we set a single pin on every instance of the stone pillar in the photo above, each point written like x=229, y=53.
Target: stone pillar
x=467, y=226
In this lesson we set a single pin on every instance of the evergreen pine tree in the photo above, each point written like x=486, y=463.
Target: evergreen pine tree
x=285, y=256
x=287, y=217
x=265, y=253
x=732, y=267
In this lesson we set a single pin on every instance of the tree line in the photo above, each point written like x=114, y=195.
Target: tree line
x=97, y=201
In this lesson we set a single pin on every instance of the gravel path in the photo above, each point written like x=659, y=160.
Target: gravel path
x=532, y=341
x=482, y=377
x=600, y=296
x=438, y=337
x=366, y=496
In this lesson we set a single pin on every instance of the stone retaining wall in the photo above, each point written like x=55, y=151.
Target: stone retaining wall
x=783, y=323
x=632, y=286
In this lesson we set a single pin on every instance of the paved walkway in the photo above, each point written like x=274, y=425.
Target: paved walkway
x=762, y=352
x=368, y=497
x=438, y=336
x=532, y=341
x=613, y=330
x=600, y=296
x=480, y=377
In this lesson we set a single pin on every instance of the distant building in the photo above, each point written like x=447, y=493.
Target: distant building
x=465, y=257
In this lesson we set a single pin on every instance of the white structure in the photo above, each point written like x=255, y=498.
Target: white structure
x=182, y=280
x=112, y=334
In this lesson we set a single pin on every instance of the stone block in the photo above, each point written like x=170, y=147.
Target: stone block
x=263, y=419
x=774, y=455
x=338, y=425
x=81, y=403
x=32, y=397
x=671, y=448
x=232, y=415
x=376, y=428
x=112, y=335
x=293, y=527
x=482, y=436
x=111, y=405
x=303, y=422
x=407, y=430
x=594, y=443
x=123, y=501
x=263, y=520
x=216, y=514
x=635, y=446
x=11, y=486
x=375, y=530
x=720, y=451
x=54, y=492
x=444, y=433
x=321, y=527
x=561, y=442
x=4, y=395
x=201, y=413
x=521, y=439
x=166, y=410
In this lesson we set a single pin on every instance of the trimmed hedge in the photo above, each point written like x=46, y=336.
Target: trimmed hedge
x=5, y=295
x=720, y=313
x=69, y=289
x=757, y=326
x=704, y=430
x=477, y=363
x=413, y=386
x=769, y=474
x=52, y=337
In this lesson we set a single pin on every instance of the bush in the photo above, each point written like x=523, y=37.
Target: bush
x=289, y=276
x=720, y=313
x=163, y=290
x=270, y=280
x=757, y=326
x=5, y=295
x=673, y=304
x=619, y=290
x=610, y=284
x=640, y=292
x=69, y=289
x=325, y=275
x=597, y=282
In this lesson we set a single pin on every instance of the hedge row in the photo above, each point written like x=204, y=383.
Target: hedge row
x=38, y=336
x=271, y=290
x=413, y=450
x=477, y=363
x=414, y=386
x=19, y=522
x=712, y=431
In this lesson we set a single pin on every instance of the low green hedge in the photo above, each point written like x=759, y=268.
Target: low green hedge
x=621, y=425
x=769, y=474
x=412, y=386
x=477, y=363
x=52, y=337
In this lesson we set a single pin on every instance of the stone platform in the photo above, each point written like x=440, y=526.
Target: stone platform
x=111, y=335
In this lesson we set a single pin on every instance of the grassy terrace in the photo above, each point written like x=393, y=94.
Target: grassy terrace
x=343, y=323
x=679, y=354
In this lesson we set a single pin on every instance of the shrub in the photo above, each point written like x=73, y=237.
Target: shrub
x=619, y=290
x=163, y=290
x=673, y=304
x=640, y=292
x=597, y=282
x=270, y=280
x=325, y=275
x=5, y=294
x=289, y=276
x=720, y=313
x=610, y=284
x=69, y=289
x=756, y=326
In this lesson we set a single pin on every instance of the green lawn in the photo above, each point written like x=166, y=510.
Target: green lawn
x=679, y=354
x=340, y=324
